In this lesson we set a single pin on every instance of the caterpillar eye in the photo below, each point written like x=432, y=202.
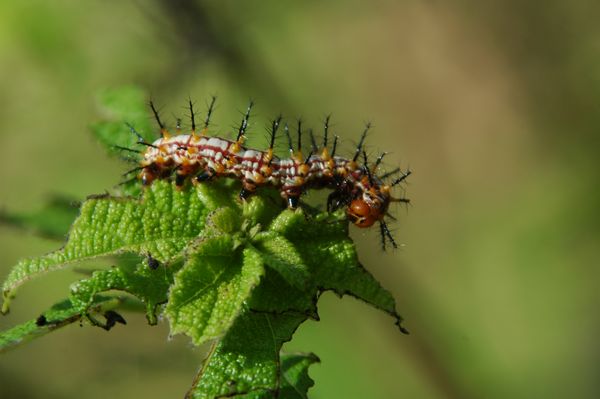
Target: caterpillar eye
x=359, y=213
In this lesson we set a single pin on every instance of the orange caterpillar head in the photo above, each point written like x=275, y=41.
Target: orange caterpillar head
x=369, y=207
x=371, y=198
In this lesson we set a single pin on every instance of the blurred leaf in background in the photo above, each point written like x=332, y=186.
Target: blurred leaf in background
x=51, y=221
x=493, y=105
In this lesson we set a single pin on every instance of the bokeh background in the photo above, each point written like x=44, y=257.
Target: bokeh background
x=494, y=105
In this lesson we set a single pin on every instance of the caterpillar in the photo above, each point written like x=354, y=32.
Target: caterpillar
x=201, y=158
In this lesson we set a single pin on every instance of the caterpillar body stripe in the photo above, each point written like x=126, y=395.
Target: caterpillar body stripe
x=198, y=157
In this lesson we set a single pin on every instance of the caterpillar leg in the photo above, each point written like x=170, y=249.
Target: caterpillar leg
x=205, y=175
x=293, y=201
x=336, y=200
x=179, y=180
x=291, y=195
x=148, y=175
x=245, y=193
x=333, y=202
x=247, y=190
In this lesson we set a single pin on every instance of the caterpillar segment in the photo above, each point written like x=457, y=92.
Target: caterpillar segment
x=200, y=158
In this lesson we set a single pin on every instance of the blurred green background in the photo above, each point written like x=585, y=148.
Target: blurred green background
x=494, y=105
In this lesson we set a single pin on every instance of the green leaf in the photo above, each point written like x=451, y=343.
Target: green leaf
x=297, y=227
x=246, y=361
x=295, y=381
x=150, y=286
x=125, y=105
x=52, y=221
x=344, y=275
x=281, y=255
x=211, y=287
x=261, y=209
x=161, y=223
x=226, y=220
x=225, y=197
x=324, y=246
x=276, y=295
x=59, y=315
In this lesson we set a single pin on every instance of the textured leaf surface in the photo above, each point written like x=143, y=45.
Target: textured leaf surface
x=211, y=287
x=161, y=223
x=246, y=361
x=276, y=295
x=281, y=255
x=148, y=285
x=325, y=247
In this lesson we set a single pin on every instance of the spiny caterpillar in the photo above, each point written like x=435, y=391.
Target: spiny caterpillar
x=365, y=195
